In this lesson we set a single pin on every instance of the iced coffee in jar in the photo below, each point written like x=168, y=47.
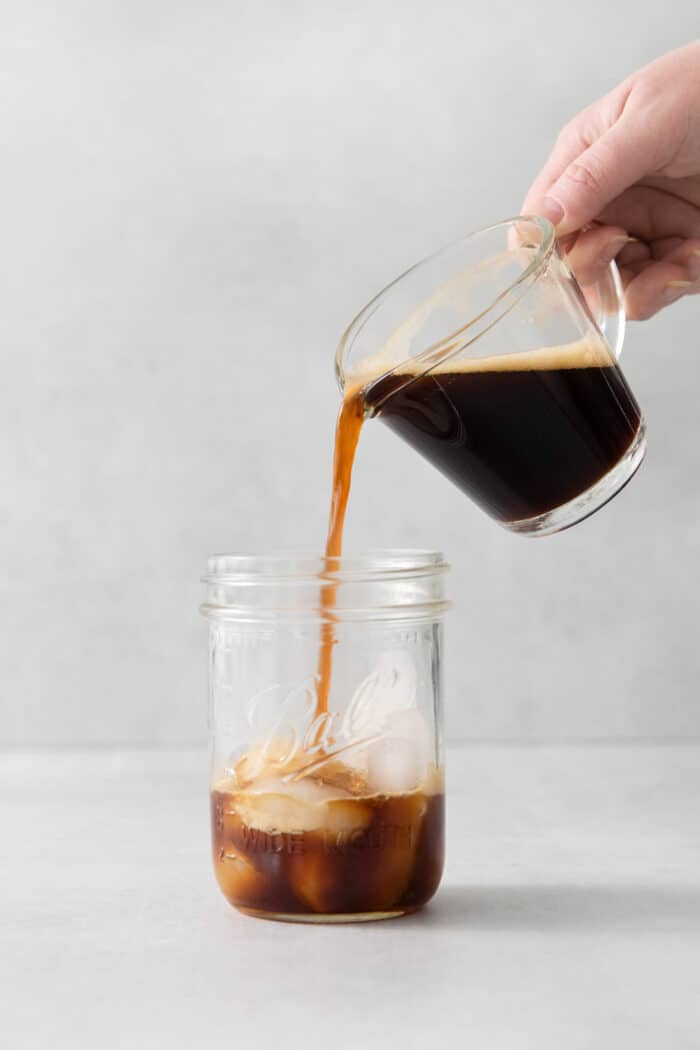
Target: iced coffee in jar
x=327, y=785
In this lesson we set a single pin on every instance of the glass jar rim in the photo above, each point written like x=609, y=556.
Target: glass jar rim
x=298, y=567
x=379, y=585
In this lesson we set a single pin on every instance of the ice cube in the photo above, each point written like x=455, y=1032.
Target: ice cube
x=390, y=687
x=368, y=871
x=398, y=762
x=280, y=806
x=274, y=756
x=402, y=820
x=337, y=774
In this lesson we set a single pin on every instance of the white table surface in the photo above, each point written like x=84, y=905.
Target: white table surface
x=569, y=916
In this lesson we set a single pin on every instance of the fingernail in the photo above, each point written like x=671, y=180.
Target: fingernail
x=675, y=289
x=614, y=245
x=552, y=210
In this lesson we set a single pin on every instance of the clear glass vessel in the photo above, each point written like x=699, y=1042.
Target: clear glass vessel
x=328, y=813
x=493, y=363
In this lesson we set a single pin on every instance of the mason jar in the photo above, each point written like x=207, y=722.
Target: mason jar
x=325, y=716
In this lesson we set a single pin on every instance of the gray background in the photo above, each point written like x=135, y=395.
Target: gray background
x=196, y=197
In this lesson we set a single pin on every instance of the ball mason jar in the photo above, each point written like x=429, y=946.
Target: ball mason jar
x=326, y=812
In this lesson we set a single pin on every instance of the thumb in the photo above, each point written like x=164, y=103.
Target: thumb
x=608, y=167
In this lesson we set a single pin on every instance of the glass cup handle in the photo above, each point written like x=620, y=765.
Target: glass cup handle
x=606, y=299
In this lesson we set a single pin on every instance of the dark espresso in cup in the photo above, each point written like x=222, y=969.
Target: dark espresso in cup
x=520, y=434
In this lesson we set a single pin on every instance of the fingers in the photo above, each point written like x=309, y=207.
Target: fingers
x=600, y=174
x=654, y=275
x=594, y=250
x=633, y=253
x=682, y=253
x=652, y=285
x=654, y=213
x=569, y=145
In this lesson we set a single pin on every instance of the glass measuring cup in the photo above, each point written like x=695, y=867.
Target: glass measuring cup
x=491, y=361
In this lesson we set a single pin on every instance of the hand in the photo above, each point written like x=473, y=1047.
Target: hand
x=626, y=173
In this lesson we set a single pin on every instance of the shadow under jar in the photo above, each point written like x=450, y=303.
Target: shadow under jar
x=330, y=814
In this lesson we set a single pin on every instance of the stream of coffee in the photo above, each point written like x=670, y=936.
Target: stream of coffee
x=347, y=434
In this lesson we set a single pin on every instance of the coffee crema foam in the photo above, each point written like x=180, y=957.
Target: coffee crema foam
x=587, y=352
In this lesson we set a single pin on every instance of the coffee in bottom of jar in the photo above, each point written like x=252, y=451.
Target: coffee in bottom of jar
x=323, y=846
